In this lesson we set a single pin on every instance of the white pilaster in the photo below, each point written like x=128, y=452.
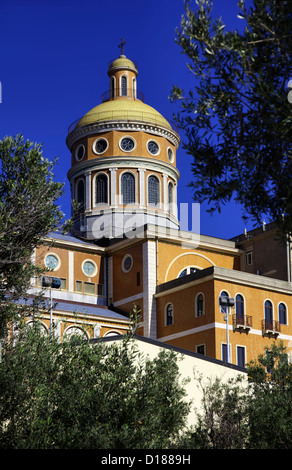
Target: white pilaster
x=141, y=187
x=110, y=278
x=71, y=270
x=165, y=193
x=149, y=287
x=113, y=201
x=88, y=190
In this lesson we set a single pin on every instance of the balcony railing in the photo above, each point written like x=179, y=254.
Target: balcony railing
x=242, y=321
x=271, y=327
x=131, y=93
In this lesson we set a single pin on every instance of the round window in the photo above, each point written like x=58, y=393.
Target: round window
x=170, y=154
x=127, y=263
x=100, y=145
x=127, y=144
x=89, y=268
x=80, y=152
x=153, y=147
x=51, y=262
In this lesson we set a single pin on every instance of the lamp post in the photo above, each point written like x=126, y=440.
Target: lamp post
x=51, y=283
x=226, y=302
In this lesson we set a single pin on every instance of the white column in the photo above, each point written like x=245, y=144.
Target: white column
x=113, y=201
x=88, y=190
x=149, y=288
x=141, y=187
x=71, y=271
x=110, y=279
x=175, y=211
x=165, y=193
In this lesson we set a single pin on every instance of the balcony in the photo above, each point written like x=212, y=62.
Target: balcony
x=242, y=322
x=271, y=328
x=130, y=93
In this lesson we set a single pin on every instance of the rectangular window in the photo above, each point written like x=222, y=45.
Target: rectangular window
x=224, y=352
x=248, y=258
x=240, y=356
x=201, y=349
x=63, y=284
x=89, y=288
x=78, y=286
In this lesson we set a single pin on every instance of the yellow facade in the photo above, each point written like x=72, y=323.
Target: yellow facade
x=174, y=277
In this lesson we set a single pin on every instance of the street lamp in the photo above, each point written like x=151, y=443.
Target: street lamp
x=51, y=283
x=227, y=303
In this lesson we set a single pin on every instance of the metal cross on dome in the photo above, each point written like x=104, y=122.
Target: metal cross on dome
x=122, y=45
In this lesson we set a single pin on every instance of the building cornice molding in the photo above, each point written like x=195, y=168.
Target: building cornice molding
x=102, y=163
x=120, y=125
x=226, y=275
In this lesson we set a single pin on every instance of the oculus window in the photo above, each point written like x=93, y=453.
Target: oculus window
x=51, y=262
x=100, y=146
x=127, y=144
x=153, y=147
x=89, y=268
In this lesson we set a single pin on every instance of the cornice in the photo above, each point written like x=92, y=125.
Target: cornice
x=138, y=126
x=145, y=163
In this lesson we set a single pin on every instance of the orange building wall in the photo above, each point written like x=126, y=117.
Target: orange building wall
x=125, y=284
x=171, y=262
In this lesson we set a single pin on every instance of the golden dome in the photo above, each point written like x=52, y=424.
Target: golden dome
x=123, y=110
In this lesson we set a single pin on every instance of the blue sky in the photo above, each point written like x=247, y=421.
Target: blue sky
x=54, y=59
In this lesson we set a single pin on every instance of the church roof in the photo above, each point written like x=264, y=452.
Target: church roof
x=124, y=110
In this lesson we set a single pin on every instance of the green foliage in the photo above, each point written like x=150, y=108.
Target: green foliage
x=223, y=420
x=84, y=395
x=253, y=415
x=237, y=118
x=271, y=404
x=28, y=211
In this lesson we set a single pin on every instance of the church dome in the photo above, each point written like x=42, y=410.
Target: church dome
x=122, y=63
x=123, y=110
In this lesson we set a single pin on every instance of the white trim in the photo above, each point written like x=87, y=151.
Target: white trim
x=141, y=172
x=113, y=184
x=149, y=287
x=77, y=327
x=120, y=124
x=110, y=333
x=128, y=299
x=71, y=271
